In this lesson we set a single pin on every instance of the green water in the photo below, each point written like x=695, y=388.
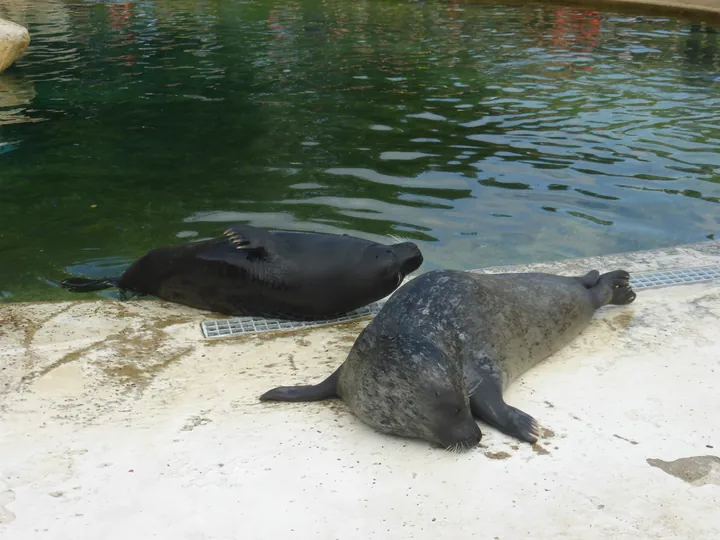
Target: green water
x=490, y=134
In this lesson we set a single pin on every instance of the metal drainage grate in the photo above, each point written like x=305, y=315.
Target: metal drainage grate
x=247, y=325
x=680, y=276
x=216, y=328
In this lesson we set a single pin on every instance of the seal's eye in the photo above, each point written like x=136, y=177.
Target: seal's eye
x=457, y=411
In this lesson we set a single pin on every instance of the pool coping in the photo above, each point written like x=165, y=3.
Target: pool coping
x=690, y=9
x=220, y=328
x=646, y=275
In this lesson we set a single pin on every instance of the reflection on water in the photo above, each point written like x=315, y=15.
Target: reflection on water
x=16, y=94
x=489, y=134
x=702, y=47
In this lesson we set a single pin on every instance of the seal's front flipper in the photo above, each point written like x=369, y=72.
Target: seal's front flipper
x=487, y=404
x=255, y=254
x=318, y=392
x=249, y=238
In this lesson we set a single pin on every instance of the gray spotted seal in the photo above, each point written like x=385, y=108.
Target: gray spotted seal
x=446, y=345
x=257, y=272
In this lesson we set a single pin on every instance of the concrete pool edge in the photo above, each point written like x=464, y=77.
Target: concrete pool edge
x=695, y=254
x=697, y=7
x=119, y=419
x=689, y=9
x=220, y=327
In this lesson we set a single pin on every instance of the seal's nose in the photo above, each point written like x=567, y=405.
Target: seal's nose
x=462, y=436
x=475, y=439
x=409, y=256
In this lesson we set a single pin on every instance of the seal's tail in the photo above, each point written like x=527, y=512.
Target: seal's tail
x=88, y=285
x=318, y=392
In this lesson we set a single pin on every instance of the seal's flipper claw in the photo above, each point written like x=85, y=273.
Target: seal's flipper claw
x=249, y=238
x=487, y=404
x=623, y=295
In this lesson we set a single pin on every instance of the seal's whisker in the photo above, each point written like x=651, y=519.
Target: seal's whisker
x=398, y=239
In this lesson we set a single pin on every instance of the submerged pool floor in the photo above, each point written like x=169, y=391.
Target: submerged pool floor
x=120, y=420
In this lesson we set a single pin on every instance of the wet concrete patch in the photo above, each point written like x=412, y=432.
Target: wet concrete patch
x=539, y=449
x=6, y=497
x=497, y=455
x=695, y=470
x=195, y=421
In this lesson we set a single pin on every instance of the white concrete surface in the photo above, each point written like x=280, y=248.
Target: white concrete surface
x=679, y=7
x=118, y=420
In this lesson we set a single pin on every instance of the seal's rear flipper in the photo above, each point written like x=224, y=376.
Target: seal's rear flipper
x=590, y=279
x=88, y=285
x=614, y=288
x=325, y=390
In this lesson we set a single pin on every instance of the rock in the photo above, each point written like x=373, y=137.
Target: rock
x=14, y=40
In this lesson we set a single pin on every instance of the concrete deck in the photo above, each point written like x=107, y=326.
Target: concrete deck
x=119, y=420
x=679, y=7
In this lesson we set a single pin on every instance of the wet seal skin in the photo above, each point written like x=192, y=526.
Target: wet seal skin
x=251, y=271
x=447, y=344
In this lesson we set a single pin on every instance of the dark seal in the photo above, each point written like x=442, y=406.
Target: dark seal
x=276, y=274
x=446, y=345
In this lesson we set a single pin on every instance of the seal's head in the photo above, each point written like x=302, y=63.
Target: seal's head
x=442, y=415
x=411, y=388
x=393, y=262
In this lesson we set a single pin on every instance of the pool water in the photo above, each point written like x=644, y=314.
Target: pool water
x=490, y=134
